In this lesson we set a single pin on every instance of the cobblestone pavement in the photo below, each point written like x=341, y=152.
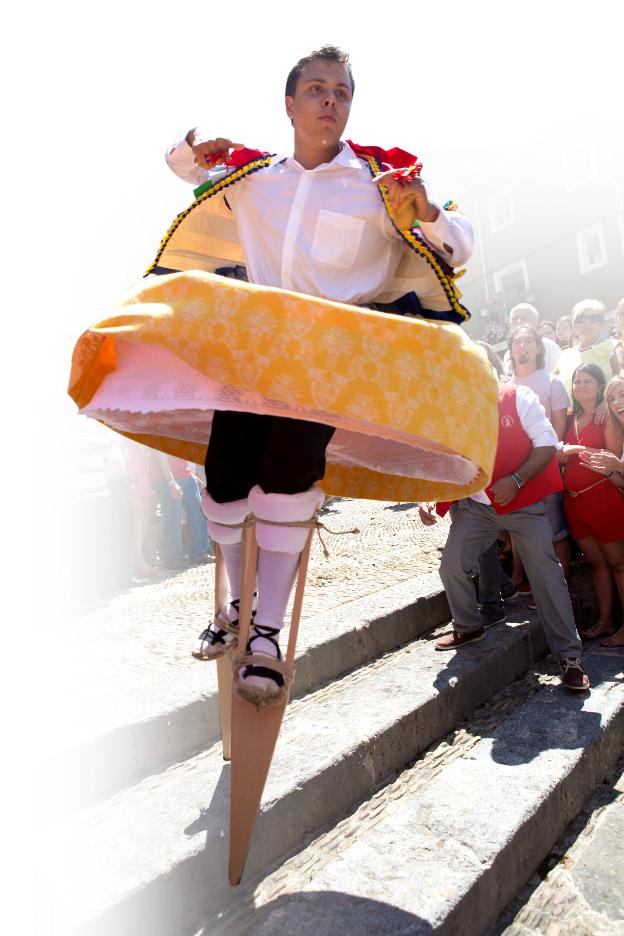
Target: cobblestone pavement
x=134, y=652
x=581, y=893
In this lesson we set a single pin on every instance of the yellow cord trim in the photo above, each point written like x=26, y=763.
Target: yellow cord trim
x=445, y=280
x=214, y=190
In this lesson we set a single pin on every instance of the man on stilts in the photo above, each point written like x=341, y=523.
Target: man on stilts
x=315, y=223
x=294, y=375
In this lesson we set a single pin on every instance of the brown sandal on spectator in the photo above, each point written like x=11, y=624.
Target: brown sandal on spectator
x=616, y=640
x=598, y=630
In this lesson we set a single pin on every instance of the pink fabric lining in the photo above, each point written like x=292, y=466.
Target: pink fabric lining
x=153, y=392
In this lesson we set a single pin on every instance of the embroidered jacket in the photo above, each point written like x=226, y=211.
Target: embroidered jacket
x=205, y=237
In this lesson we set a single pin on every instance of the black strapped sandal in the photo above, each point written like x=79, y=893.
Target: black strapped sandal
x=220, y=637
x=275, y=671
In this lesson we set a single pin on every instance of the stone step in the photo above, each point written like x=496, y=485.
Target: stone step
x=578, y=889
x=153, y=858
x=163, y=732
x=454, y=838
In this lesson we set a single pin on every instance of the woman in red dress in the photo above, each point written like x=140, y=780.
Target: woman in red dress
x=609, y=464
x=594, y=507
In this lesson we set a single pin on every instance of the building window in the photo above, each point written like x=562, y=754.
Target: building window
x=513, y=282
x=579, y=166
x=501, y=210
x=591, y=247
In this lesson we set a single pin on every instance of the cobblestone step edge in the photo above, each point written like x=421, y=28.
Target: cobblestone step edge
x=364, y=629
x=167, y=904
x=246, y=911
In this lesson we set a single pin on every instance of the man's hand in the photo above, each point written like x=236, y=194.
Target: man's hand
x=425, y=512
x=176, y=491
x=209, y=153
x=408, y=197
x=504, y=491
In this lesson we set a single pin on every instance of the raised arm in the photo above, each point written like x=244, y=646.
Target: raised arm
x=192, y=156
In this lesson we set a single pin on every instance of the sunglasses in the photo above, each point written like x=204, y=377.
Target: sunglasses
x=588, y=318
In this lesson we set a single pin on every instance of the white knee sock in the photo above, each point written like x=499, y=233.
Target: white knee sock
x=233, y=556
x=276, y=574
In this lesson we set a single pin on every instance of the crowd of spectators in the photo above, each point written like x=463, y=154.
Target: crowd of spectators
x=558, y=485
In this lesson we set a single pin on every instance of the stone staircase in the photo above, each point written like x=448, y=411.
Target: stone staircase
x=411, y=791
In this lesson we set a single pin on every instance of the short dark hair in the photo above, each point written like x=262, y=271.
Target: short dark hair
x=540, y=360
x=327, y=53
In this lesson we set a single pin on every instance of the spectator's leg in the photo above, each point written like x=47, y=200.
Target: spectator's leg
x=172, y=522
x=614, y=553
x=489, y=580
x=532, y=534
x=507, y=587
x=518, y=575
x=473, y=531
x=615, y=556
x=596, y=555
x=199, y=539
x=562, y=552
x=561, y=541
x=141, y=507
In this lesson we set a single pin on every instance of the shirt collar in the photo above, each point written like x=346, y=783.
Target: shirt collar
x=346, y=157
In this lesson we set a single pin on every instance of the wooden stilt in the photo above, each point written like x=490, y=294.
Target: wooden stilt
x=255, y=730
x=224, y=663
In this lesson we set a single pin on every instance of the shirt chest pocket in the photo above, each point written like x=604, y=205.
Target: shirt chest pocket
x=337, y=239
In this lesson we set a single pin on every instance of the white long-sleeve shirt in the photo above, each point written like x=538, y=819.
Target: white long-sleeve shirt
x=534, y=422
x=323, y=231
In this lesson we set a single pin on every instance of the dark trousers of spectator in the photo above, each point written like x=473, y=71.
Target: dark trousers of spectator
x=474, y=529
x=282, y=456
x=494, y=583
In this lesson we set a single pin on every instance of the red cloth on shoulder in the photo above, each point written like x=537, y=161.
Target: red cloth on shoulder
x=241, y=157
x=394, y=158
x=390, y=159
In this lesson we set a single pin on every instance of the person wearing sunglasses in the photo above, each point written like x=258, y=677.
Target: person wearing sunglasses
x=588, y=318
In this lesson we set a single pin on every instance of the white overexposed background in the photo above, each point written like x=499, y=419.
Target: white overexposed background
x=92, y=95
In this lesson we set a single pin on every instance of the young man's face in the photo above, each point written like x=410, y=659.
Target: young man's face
x=319, y=108
x=524, y=348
